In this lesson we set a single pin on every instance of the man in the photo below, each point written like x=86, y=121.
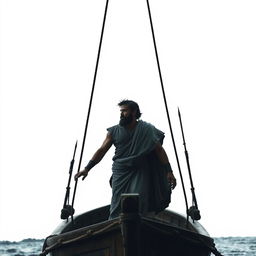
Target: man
x=140, y=164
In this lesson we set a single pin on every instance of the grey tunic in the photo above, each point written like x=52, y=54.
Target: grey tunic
x=136, y=168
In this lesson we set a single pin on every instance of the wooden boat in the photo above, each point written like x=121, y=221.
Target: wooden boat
x=131, y=234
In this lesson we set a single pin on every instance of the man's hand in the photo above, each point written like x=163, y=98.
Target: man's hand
x=83, y=173
x=171, y=179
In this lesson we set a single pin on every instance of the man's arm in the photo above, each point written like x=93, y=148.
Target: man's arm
x=98, y=155
x=162, y=156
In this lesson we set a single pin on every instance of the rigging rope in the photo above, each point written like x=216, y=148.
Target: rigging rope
x=91, y=98
x=164, y=97
x=166, y=107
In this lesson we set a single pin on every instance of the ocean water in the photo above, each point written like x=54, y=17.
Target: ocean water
x=236, y=246
x=227, y=246
x=26, y=247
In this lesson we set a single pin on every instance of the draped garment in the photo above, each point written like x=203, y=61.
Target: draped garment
x=137, y=169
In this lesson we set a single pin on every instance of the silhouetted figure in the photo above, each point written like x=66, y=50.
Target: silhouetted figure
x=140, y=164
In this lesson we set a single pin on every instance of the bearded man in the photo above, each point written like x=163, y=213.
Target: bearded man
x=140, y=164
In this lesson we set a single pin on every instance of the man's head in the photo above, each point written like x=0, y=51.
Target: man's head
x=130, y=111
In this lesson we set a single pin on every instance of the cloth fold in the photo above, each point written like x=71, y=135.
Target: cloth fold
x=137, y=169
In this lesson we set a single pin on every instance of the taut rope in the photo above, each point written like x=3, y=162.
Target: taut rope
x=166, y=107
x=91, y=98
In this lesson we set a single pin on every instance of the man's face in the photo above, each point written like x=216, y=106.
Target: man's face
x=126, y=115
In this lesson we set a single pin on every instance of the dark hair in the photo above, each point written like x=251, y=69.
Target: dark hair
x=132, y=105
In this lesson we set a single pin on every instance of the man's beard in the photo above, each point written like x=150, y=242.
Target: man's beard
x=125, y=120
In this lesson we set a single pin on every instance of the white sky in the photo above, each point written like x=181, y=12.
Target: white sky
x=48, y=52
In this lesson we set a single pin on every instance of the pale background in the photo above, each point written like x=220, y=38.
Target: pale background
x=48, y=52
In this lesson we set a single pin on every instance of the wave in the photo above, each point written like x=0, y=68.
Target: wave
x=25, y=247
x=228, y=246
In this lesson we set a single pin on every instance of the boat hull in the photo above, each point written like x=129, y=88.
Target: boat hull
x=165, y=234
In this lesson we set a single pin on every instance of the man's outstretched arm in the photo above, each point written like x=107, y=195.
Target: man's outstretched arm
x=98, y=155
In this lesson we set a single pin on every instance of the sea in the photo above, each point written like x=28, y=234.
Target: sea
x=227, y=246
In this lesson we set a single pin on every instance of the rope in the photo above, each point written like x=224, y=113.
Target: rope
x=88, y=233
x=91, y=98
x=166, y=107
